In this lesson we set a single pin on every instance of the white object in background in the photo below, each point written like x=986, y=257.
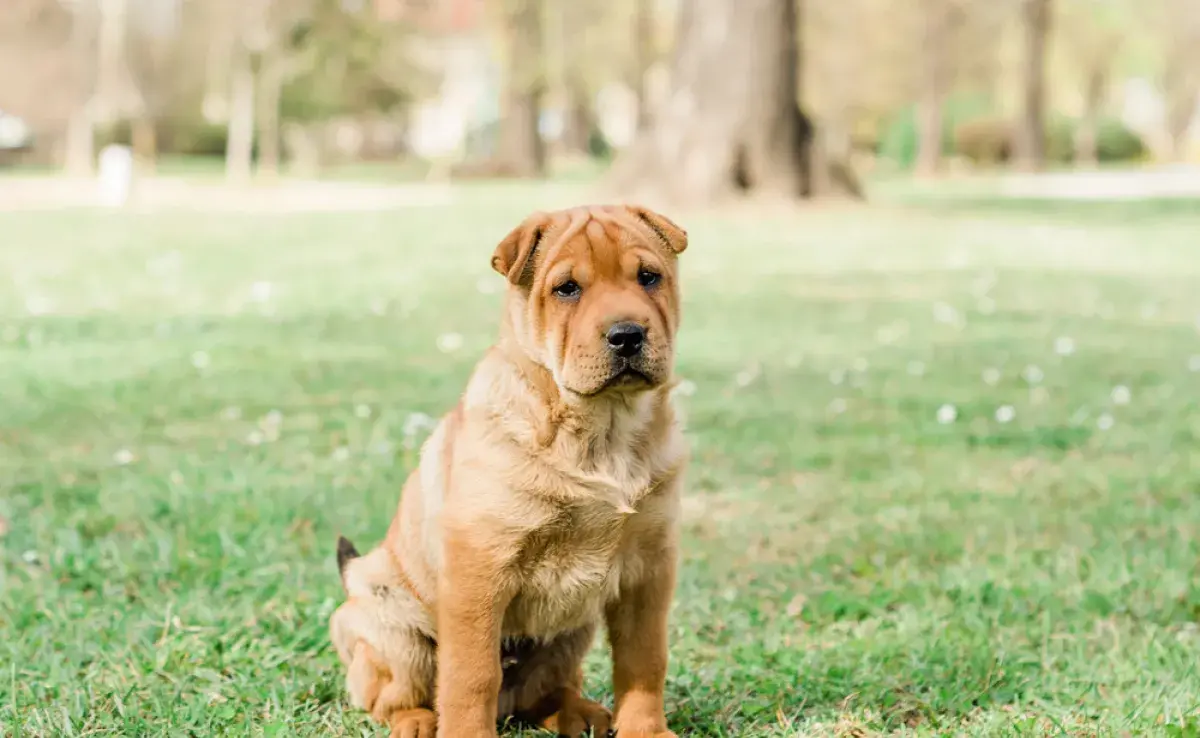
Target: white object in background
x=116, y=175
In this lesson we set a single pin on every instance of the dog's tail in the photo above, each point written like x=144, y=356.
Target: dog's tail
x=346, y=552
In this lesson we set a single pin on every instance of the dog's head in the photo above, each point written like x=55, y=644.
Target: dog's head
x=594, y=295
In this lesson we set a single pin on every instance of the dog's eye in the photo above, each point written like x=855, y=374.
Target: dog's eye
x=568, y=290
x=647, y=278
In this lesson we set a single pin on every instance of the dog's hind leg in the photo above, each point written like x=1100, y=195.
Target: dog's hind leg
x=545, y=687
x=390, y=668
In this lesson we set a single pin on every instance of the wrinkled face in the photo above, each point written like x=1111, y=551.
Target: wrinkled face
x=594, y=296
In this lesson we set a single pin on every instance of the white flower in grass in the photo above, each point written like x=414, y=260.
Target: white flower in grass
x=837, y=376
x=1121, y=395
x=746, y=376
x=123, y=456
x=861, y=364
x=255, y=438
x=1005, y=414
x=916, y=368
x=1194, y=363
x=233, y=412
x=685, y=388
x=1064, y=346
x=273, y=419
x=983, y=283
x=837, y=406
x=1033, y=374
x=991, y=376
x=944, y=312
x=362, y=411
x=38, y=305
x=947, y=414
x=1104, y=422
x=379, y=306
x=30, y=557
x=415, y=424
x=449, y=342
x=382, y=448
x=261, y=291
x=201, y=359
x=341, y=453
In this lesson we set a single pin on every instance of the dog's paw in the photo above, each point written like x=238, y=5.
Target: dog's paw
x=642, y=727
x=580, y=716
x=413, y=724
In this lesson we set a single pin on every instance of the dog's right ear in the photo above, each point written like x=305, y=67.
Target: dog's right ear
x=514, y=257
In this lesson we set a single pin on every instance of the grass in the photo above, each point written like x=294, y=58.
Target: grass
x=179, y=448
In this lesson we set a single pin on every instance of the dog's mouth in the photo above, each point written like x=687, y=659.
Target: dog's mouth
x=627, y=376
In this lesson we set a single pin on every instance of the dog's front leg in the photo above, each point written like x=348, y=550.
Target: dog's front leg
x=637, y=632
x=472, y=598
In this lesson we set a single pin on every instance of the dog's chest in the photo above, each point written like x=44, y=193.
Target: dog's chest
x=571, y=570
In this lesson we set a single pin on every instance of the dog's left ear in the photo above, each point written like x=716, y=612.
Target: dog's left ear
x=514, y=256
x=669, y=232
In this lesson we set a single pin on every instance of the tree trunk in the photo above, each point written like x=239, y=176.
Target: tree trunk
x=579, y=121
x=1086, y=153
x=145, y=143
x=643, y=59
x=1030, y=143
x=1181, y=109
x=930, y=107
x=1181, y=78
x=270, y=90
x=80, y=153
x=522, y=151
x=239, y=143
x=80, y=142
x=731, y=122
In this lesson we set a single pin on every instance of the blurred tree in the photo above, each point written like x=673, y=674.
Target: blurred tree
x=251, y=33
x=579, y=22
x=943, y=19
x=1091, y=32
x=54, y=49
x=1181, y=71
x=81, y=126
x=1030, y=141
x=303, y=62
x=644, y=57
x=732, y=122
x=161, y=62
x=521, y=150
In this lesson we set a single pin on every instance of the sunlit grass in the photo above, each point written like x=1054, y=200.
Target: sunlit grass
x=945, y=472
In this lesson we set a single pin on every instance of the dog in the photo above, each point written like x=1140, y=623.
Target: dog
x=544, y=504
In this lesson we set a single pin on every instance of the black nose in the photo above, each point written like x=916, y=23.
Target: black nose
x=626, y=338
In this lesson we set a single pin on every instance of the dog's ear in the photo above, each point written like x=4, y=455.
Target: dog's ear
x=667, y=230
x=514, y=256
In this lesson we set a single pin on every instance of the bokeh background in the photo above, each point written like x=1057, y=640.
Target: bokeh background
x=940, y=359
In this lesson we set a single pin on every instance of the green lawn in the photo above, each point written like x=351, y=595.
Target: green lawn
x=200, y=404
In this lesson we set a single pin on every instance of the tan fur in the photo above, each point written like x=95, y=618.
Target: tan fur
x=545, y=504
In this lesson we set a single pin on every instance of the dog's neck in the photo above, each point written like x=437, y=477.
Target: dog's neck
x=587, y=428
